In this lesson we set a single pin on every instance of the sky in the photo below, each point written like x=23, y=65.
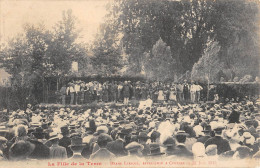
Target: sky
x=15, y=13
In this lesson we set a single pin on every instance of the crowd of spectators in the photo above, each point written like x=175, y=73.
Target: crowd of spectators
x=215, y=131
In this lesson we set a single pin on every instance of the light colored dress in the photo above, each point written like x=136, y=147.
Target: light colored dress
x=173, y=94
x=160, y=95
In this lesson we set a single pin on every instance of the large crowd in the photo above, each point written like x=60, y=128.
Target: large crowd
x=80, y=92
x=217, y=131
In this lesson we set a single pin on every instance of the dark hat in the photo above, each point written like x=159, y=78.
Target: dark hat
x=76, y=141
x=143, y=135
x=181, y=133
x=155, y=135
x=155, y=150
x=64, y=129
x=104, y=138
x=38, y=133
x=207, y=128
x=169, y=142
x=133, y=146
x=125, y=130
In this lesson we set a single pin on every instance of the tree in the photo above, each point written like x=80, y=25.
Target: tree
x=186, y=26
x=159, y=65
x=39, y=53
x=107, y=53
x=208, y=66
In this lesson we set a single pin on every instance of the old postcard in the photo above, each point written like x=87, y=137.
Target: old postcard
x=129, y=83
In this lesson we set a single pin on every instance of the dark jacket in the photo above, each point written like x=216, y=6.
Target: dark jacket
x=222, y=144
x=41, y=151
x=183, y=152
x=117, y=147
x=102, y=154
x=203, y=139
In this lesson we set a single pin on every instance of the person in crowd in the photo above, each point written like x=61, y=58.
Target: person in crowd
x=21, y=150
x=56, y=151
x=63, y=94
x=161, y=95
x=207, y=132
x=77, y=147
x=126, y=92
x=198, y=150
x=193, y=90
x=134, y=150
x=212, y=152
x=222, y=144
x=186, y=90
x=103, y=153
x=77, y=91
x=180, y=149
x=173, y=93
x=71, y=92
x=170, y=144
x=65, y=141
x=142, y=139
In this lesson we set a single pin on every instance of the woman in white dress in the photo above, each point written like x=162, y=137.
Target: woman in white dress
x=173, y=93
x=160, y=94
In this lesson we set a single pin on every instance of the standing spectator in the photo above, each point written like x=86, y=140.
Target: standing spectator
x=63, y=94
x=173, y=93
x=198, y=90
x=77, y=91
x=193, y=90
x=160, y=93
x=71, y=92
x=126, y=92
x=186, y=89
x=180, y=92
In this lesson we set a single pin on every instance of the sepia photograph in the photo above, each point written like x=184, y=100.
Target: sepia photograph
x=129, y=83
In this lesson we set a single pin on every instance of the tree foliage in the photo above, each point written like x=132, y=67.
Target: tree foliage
x=185, y=26
x=209, y=64
x=159, y=65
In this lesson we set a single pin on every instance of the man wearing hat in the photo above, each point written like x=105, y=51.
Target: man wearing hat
x=206, y=136
x=77, y=147
x=222, y=144
x=134, y=151
x=170, y=144
x=103, y=153
x=117, y=146
x=142, y=139
x=56, y=151
x=65, y=141
x=155, y=151
x=180, y=150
